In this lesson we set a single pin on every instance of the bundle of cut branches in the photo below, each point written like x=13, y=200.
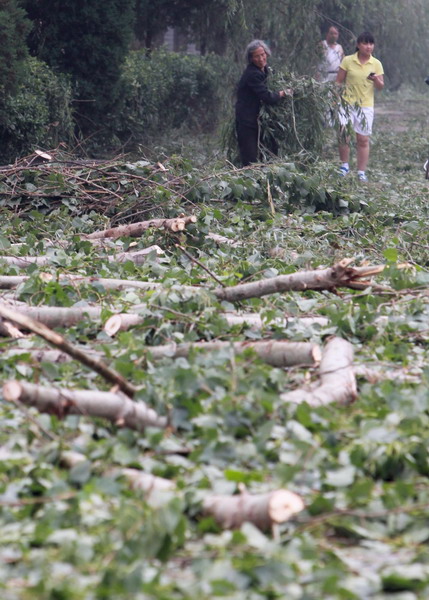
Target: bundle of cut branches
x=297, y=124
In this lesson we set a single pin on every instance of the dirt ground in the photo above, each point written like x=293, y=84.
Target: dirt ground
x=400, y=111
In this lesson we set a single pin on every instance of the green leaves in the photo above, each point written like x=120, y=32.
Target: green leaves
x=361, y=469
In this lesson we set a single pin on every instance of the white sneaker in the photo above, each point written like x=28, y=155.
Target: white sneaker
x=343, y=171
x=362, y=177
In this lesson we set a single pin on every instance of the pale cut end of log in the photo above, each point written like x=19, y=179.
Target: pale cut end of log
x=316, y=353
x=283, y=505
x=263, y=510
x=12, y=391
x=121, y=322
x=70, y=458
x=113, y=325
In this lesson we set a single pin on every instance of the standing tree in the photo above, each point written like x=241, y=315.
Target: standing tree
x=89, y=40
x=13, y=30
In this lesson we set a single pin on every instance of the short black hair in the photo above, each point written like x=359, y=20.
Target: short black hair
x=365, y=37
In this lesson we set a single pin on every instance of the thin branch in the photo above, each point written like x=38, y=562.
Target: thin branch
x=196, y=261
x=60, y=342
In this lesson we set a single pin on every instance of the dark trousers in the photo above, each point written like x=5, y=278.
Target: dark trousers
x=247, y=138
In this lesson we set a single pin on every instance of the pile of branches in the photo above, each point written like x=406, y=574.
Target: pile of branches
x=129, y=192
x=116, y=188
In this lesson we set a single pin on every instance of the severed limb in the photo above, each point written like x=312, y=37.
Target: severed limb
x=263, y=510
x=255, y=321
x=138, y=257
x=53, y=316
x=124, y=321
x=337, y=377
x=61, y=343
x=136, y=229
x=340, y=275
x=8, y=282
x=116, y=407
x=279, y=353
x=230, y=512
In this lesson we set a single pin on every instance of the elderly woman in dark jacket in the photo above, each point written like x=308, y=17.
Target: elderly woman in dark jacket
x=252, y=91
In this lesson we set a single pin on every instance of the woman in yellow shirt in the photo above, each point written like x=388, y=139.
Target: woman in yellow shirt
x=360, y=73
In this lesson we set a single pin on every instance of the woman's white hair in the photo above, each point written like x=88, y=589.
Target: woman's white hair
x=254, y=45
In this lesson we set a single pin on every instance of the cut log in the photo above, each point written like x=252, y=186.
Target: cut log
x=138, y=258
x=23, y=262
x=39, y=355
x=124, y=321
x=263, y=510
x=56, y=316
x=340, y=275
x=12, y=281
x=137, y=229
x=278, y=353
x=230, y=512
x=116, y=407
x=337, y=377
x=255, y=321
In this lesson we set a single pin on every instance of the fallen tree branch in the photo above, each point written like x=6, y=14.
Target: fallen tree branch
x=230, y=512
x=116, y=407
x=279, y=353
x=8, y=282
x=221, y=239
x=124, y=321
x=337, y=377
x=263, y=510
x=138, y=258
x=52, y=316
x=136, y=229
x=375, y=375
x=60, y=342
x=255, y=321
x=39, y=355
x=340, y=275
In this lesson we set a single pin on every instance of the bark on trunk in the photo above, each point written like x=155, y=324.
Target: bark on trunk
x=337, y=377
x=340, y=275
x=136, y=229
x=115, y=407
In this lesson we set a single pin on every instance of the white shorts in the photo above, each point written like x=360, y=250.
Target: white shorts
x=361, y=119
